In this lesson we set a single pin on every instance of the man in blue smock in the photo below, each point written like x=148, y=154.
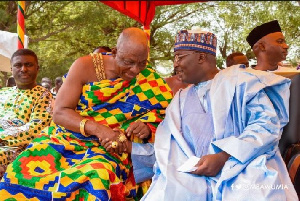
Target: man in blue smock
x=231, y=119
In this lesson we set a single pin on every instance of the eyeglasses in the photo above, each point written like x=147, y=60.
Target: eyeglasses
x=178, y=57
x=130, y=63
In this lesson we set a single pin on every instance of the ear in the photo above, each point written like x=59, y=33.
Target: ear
x=38, y=67
x=202, y=57
x=114, y=51
x=262, y=46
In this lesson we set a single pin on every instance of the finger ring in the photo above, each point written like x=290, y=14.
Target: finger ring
x=114, y=144
x=122, y=138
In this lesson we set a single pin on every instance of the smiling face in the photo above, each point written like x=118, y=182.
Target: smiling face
x=24, y=69
x=186, y=62
x=131, y=53
x=130, y=63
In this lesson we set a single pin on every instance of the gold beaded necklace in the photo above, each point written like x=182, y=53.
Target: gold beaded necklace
x=99, y=66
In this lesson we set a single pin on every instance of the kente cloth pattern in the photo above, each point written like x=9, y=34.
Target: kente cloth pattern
x=65, y=165
x=23, y=114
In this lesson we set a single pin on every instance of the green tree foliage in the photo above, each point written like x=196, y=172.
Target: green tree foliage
x=233, y=20
x=65, y=30
x=61, y=31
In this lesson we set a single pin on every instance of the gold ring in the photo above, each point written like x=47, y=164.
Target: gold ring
x=114, y=144
x=122, y=138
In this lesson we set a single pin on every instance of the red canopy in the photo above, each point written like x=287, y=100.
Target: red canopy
x=141, y=11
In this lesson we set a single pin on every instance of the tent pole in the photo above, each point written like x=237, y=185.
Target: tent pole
x=147, y=31
x=21, y=24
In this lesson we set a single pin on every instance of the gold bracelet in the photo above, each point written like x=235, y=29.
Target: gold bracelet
x=81, y=126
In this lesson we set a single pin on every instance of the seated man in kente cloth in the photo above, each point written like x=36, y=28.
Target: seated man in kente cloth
x=24, y=108
x=85, y=154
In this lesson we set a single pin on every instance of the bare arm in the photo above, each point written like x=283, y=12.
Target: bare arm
x=81, y=72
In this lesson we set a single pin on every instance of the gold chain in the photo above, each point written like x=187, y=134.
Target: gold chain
x=102, y=73
x=99, y=66
x=95, y=65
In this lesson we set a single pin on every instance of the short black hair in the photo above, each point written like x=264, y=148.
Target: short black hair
x=21, y=52
x=107, y=49
x=229, y=59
